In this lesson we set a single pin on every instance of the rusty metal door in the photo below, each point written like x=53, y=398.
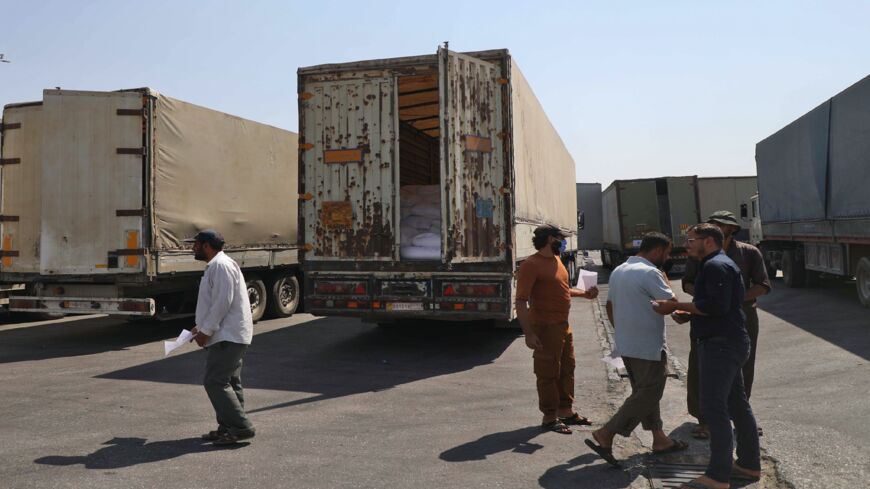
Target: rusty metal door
x=472, y=159
x=349, y=134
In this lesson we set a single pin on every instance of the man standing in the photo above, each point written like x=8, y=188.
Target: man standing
x=543, y=300
x=723, y=347
x=224, y=328
x=751, y=263
x=640, y=341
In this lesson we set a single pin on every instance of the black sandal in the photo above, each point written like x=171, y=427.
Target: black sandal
x=556, y=426
x=605, y=453
x=213, y=435
x=576, y=420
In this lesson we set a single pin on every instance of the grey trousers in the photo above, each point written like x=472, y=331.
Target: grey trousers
x=648, y=379
x=223, y=384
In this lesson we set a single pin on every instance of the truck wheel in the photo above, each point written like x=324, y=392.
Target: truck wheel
x=283, y=296
x=792, y=270
x=257, y=296
x=862, y=281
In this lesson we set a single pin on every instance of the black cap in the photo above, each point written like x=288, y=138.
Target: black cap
x=548, y=230
x=209, y=236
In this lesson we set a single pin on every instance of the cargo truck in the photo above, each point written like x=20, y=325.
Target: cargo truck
x=99, y=190
x=728, y=194
x=465, y=133
x=812, y=193
x=590, y=227
x=632, y=208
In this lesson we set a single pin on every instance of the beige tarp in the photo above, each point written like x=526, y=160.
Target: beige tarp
x=213, y=170
x=544, y=170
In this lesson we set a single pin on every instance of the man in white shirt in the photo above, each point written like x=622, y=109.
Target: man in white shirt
x=224, y=328
x=640, y=341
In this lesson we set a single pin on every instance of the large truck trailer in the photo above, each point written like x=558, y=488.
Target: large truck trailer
x=456, y=142
x=632, y=208
x=99, y=190
x=812, y=193
x=728, y=194
x=590, y=215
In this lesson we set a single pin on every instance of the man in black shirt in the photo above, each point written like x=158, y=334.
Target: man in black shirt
x=719, y=332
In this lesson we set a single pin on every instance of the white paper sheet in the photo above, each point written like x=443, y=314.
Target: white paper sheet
x=183, y=338
x=615, y=361
x=586, y=279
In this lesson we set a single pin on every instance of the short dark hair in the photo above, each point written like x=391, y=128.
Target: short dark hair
x=654, y=240
x=540, y=240
x=707, y=230
x=541, y=233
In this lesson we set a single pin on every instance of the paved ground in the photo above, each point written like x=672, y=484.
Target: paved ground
x=91, y=403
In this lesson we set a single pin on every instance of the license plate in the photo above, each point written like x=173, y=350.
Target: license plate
x=404, y=306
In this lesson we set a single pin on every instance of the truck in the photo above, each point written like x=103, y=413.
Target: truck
x=459, y=138
x=632, y=208
x=728, y=194
x=812, y=193
x=100, y=189
x=589, y=214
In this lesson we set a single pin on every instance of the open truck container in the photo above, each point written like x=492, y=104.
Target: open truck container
x=468, y=126
x=99, y=189
x=632, y=208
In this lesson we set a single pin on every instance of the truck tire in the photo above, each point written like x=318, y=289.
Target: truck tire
x=283, y=295
x=258, y=297
x=862, y=281
x=793, y=272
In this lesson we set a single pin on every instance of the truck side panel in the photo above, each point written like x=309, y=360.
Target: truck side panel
x=214, y=170
x=639, y=211
x=544, y=171
x=612, y=225
x=850, y=153
x=20, y=191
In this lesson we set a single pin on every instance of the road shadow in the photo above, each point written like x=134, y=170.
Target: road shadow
x=126, y=452
x=830, y=312
x=336, y=357
x=588, y=471
x=80, y=335
x=518, y=441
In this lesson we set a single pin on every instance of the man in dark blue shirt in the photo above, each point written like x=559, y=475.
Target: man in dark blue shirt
x=719, y=332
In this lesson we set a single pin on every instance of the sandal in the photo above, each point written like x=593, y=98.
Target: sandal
x=676, y=446
x=576, y=420
x=605, y=453
x=228, y=439
x=557, y=426
x=701, y=432
x=213, y=435
x=739, y=473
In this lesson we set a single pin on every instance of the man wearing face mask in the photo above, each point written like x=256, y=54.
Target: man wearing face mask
x=543, y=301
x=224, y=327
x=756, y=282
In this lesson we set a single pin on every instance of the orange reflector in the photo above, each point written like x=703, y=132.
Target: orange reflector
x=132, y=244
x=343, y=156
x=376, y=304
x=7, y=246
x=458, y=307
x=352, y=304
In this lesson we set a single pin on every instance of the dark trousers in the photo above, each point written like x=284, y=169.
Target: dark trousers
x=692, y=388
x=223, y=384
x=648, y=379
x=554, y=368
x=723, y=401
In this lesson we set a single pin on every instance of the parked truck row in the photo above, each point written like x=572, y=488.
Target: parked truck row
x=416, y=184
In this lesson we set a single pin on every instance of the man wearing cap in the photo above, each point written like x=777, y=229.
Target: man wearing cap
x=543, y=300
x=224, y=328
x=751, y=263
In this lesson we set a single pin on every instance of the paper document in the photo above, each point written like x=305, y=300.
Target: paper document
x=183, y=338
x=586, y=279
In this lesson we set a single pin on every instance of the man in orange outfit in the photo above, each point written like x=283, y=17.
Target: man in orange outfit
x=543, y=301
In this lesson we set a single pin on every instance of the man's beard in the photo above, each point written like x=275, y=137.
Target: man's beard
x=556, y=247
x=199, y=255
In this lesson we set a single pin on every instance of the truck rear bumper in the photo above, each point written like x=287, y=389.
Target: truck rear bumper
x=83, y=305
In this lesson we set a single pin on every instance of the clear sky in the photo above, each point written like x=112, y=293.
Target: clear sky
x=636, y=89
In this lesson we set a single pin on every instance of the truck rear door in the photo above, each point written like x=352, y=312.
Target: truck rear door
x=94, y=152
x=472, y=158
x=20, y=197
x=349, y=160
x=638, y=211
x=683, y=200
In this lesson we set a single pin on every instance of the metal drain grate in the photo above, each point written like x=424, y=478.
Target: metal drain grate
x=671, y=476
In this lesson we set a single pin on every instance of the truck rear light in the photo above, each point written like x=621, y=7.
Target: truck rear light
x=470, y=290
x=24, y=303
x=458, y=306
x=376, y=305
x=134, y=306
x=340, y=288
